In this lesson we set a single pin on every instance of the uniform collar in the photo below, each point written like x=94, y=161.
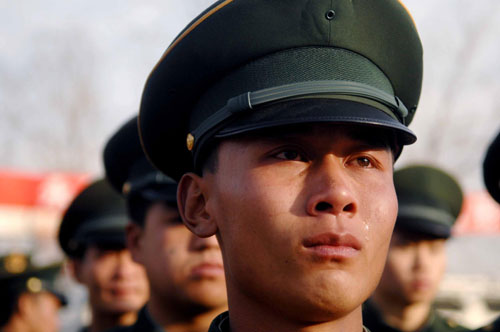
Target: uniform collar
x=221, y=324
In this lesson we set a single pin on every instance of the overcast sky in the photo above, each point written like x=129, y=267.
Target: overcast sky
x=71, y=72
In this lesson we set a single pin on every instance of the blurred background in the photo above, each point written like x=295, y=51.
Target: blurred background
x=71, y=72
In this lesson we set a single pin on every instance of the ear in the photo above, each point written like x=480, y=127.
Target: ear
x=192, y=203
x=134, y=244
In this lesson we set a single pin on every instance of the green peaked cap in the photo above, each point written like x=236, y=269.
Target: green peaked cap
x=327, y=60
x=129, y=171
x=97, y=216
x=19, y=274
x=429, y=200
x=491, y=168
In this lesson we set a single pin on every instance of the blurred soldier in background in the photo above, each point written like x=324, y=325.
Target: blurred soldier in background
x=185, y=272
x=429, y=203
x=92, y=234
x=491, y=173
x=28, y=299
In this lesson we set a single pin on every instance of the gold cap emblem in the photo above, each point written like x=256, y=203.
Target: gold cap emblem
x=16, y=263
x=34, y=285
x=190, y=141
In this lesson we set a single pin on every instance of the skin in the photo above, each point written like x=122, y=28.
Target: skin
x=414, y=269
x=117, y=286
x=272, y=193
x=185, y=272
x=33, y=309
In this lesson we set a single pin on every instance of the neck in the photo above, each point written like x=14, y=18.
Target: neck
x=404, y=316
x=252, y=317
x=102, y=321
x=178, y=317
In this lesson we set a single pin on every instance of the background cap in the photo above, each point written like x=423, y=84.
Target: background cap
x=491, y=169
x=96, y=216
x=129, y=171
x=18, y=274
x=237, y=57
x=429, y=200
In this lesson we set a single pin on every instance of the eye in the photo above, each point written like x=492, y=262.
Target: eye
x=364, y=162
x=290, y=155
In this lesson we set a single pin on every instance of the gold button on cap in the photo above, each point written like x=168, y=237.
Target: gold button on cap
x=190, y=142
x=34, y=285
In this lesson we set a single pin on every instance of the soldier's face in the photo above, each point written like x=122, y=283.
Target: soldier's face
x=40, y=311
x=183, y=269
x=415, y=266
x=304, y=218
x=116, y=283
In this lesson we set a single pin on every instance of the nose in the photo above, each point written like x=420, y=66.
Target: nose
x=203, y=243
x=125, y=266
x=421, y=257
x=332, y=191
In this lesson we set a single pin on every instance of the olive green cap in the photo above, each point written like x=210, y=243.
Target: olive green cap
x=97, y=216
x=491, y=169
x=429, y=200
x=18, y=274
x=129, y=171
x=337, y=61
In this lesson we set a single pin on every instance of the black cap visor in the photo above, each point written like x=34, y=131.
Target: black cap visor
x=315, y=110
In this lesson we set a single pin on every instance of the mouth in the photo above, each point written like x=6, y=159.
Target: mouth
x=332, y=246
x=207, y=270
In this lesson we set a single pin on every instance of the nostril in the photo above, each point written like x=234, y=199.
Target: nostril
x=323, y=206
x=349, y=208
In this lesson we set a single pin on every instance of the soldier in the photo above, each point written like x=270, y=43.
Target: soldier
x=28, y=296
x=92, y=234
x=185, y=272
x=429, y=203
x=282, y=120
x=491, y=173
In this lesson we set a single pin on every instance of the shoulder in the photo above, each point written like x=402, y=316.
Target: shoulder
x=220, y=323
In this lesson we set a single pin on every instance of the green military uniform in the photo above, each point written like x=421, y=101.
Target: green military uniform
x=221, y=324
x=247, y=65
x=131, y=174
x=429, y=203
x=491, y=173
x=19, y=275
x=144, y=323
x=435, y=323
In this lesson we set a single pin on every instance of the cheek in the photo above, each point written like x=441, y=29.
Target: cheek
x=167, y=250
x=102, y=272
x=380, y=208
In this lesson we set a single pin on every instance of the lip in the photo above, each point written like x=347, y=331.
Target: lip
x=207, y=270
x=420, y=284
x=333, y=246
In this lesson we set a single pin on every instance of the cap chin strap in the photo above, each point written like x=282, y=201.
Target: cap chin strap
x=248, y=100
